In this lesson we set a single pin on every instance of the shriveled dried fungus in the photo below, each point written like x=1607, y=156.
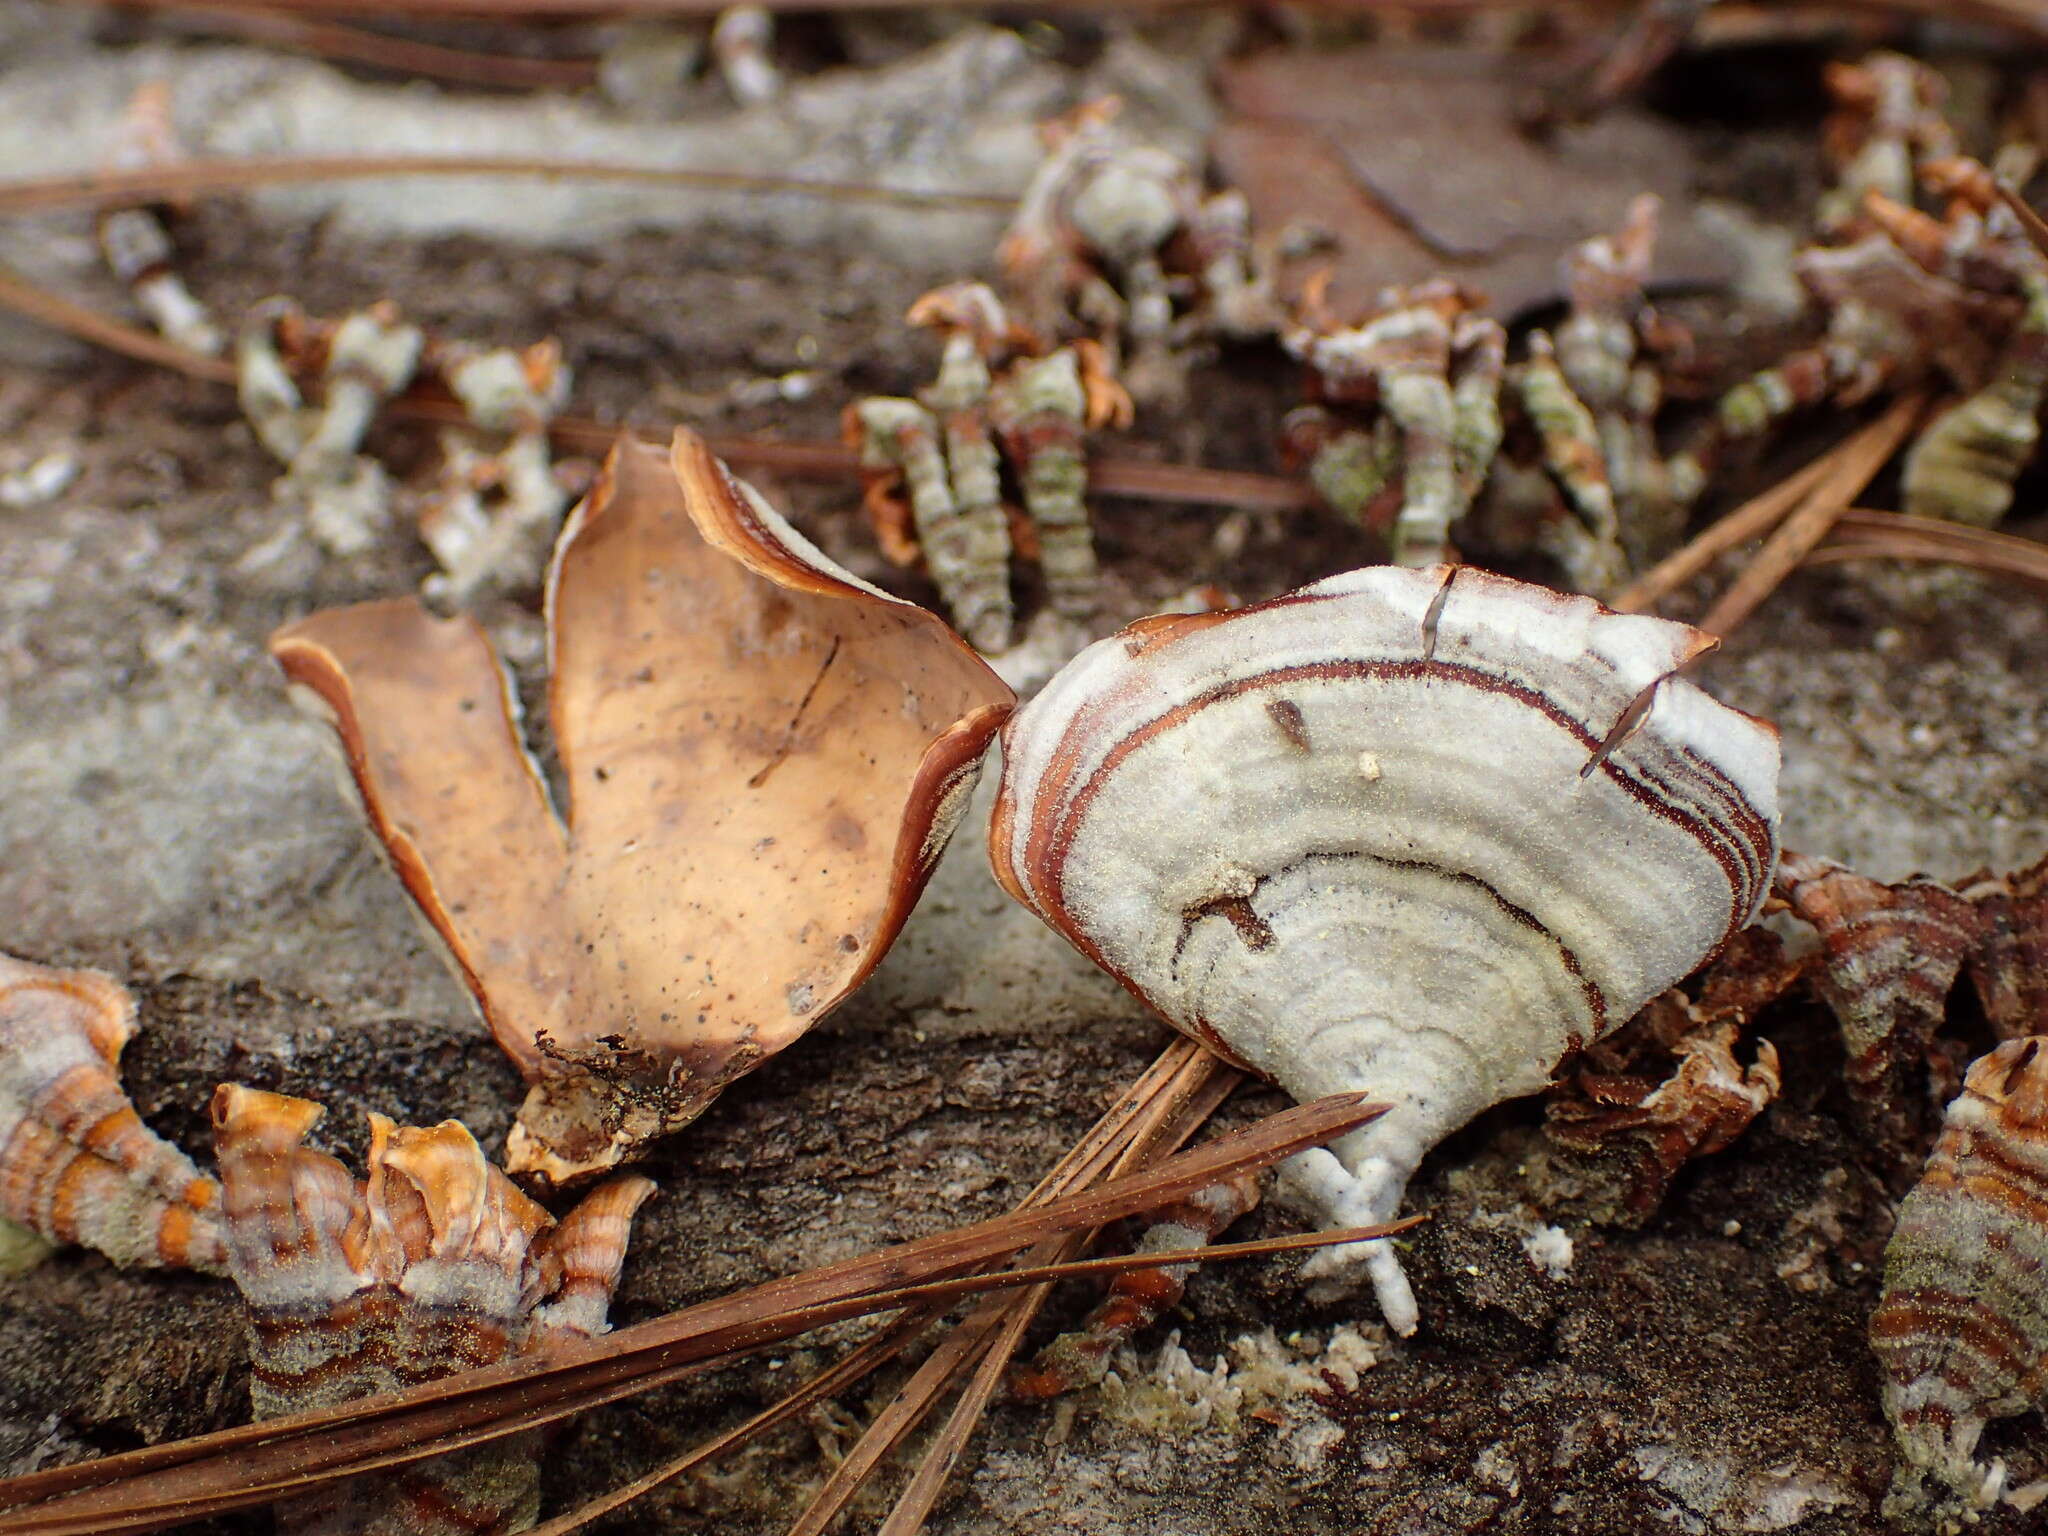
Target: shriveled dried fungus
x=1889, y=955
x=764, y=757
x=2009, y=967
x=1700, y=1109
x=1648, y=1127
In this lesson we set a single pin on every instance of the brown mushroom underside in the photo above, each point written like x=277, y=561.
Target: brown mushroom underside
x=761, y=755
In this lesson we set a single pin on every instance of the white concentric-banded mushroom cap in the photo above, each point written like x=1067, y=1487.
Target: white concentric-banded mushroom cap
x=1416, y=832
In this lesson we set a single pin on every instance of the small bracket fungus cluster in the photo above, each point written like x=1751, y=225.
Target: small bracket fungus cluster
x=341, y=494
x=933, y=465
x=434, y=1263
x=1423, y=427
x=1119, y=240
x=1962, y=1329
x=1957, y=298
x=138, y=249
x=764, y=757
x=77, y=1165
x=497, y=499
x=1890, y=955
x=1119, y=271
x=1421, y=833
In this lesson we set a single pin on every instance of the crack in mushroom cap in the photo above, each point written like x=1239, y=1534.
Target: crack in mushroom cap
x=763, y=757
x=1417, y=832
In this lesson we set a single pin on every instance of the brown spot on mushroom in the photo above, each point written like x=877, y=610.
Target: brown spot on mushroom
x=1287, y=715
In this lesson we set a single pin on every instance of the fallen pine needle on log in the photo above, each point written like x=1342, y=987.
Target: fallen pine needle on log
x=1753, y=519
x=1165, y=1107
x=2035, y=226
x=212, y=178
x=1864, y=534
x=1851, y=468
x=1801, y=507
x=256, y=1464
x=402, y=55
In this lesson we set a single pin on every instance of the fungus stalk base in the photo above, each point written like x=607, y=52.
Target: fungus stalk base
x=1358, y=1183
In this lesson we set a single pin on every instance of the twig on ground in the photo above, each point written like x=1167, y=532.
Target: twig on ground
x=2029, y=17
x=914, y=1506
x=1751, y=520
x=2035, y=226
x=62, y=314
x=214, y=178
x=1166, y=1106
x=1864, y=534
x=870, y=1357
x=356, y=45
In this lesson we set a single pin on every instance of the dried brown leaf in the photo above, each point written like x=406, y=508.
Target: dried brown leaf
x=1414, y=161
x=763, y=758
x=430, y=730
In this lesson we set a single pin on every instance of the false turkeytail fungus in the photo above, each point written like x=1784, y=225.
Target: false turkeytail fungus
x=1426, y=830
x=763, y=754
x=434, y=1263
x=77, y=1165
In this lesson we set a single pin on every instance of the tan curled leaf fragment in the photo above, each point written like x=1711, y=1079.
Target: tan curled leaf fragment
x=431, y=735
x=762, y=757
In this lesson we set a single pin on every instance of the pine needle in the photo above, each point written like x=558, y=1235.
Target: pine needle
x=1181, y=1072
x=914, y=1506
x=256, y=1464
x=1851, y=468
x=1863, y=534
x=1754, y=518
x=213, y=178
x=62, y=314
x=356, y=45
x=2032, y=222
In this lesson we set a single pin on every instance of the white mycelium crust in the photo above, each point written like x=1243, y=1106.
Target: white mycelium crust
x=1359, y=858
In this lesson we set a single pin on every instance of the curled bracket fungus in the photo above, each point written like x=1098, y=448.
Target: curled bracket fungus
x=1637, y=1121
x=1707, y=1101
x=77, y=1165
x=2010, y=964
x=1422, y=832
x=1889, y=955
x=1962, y=1329
x=435, y=1263
x=764, y=757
